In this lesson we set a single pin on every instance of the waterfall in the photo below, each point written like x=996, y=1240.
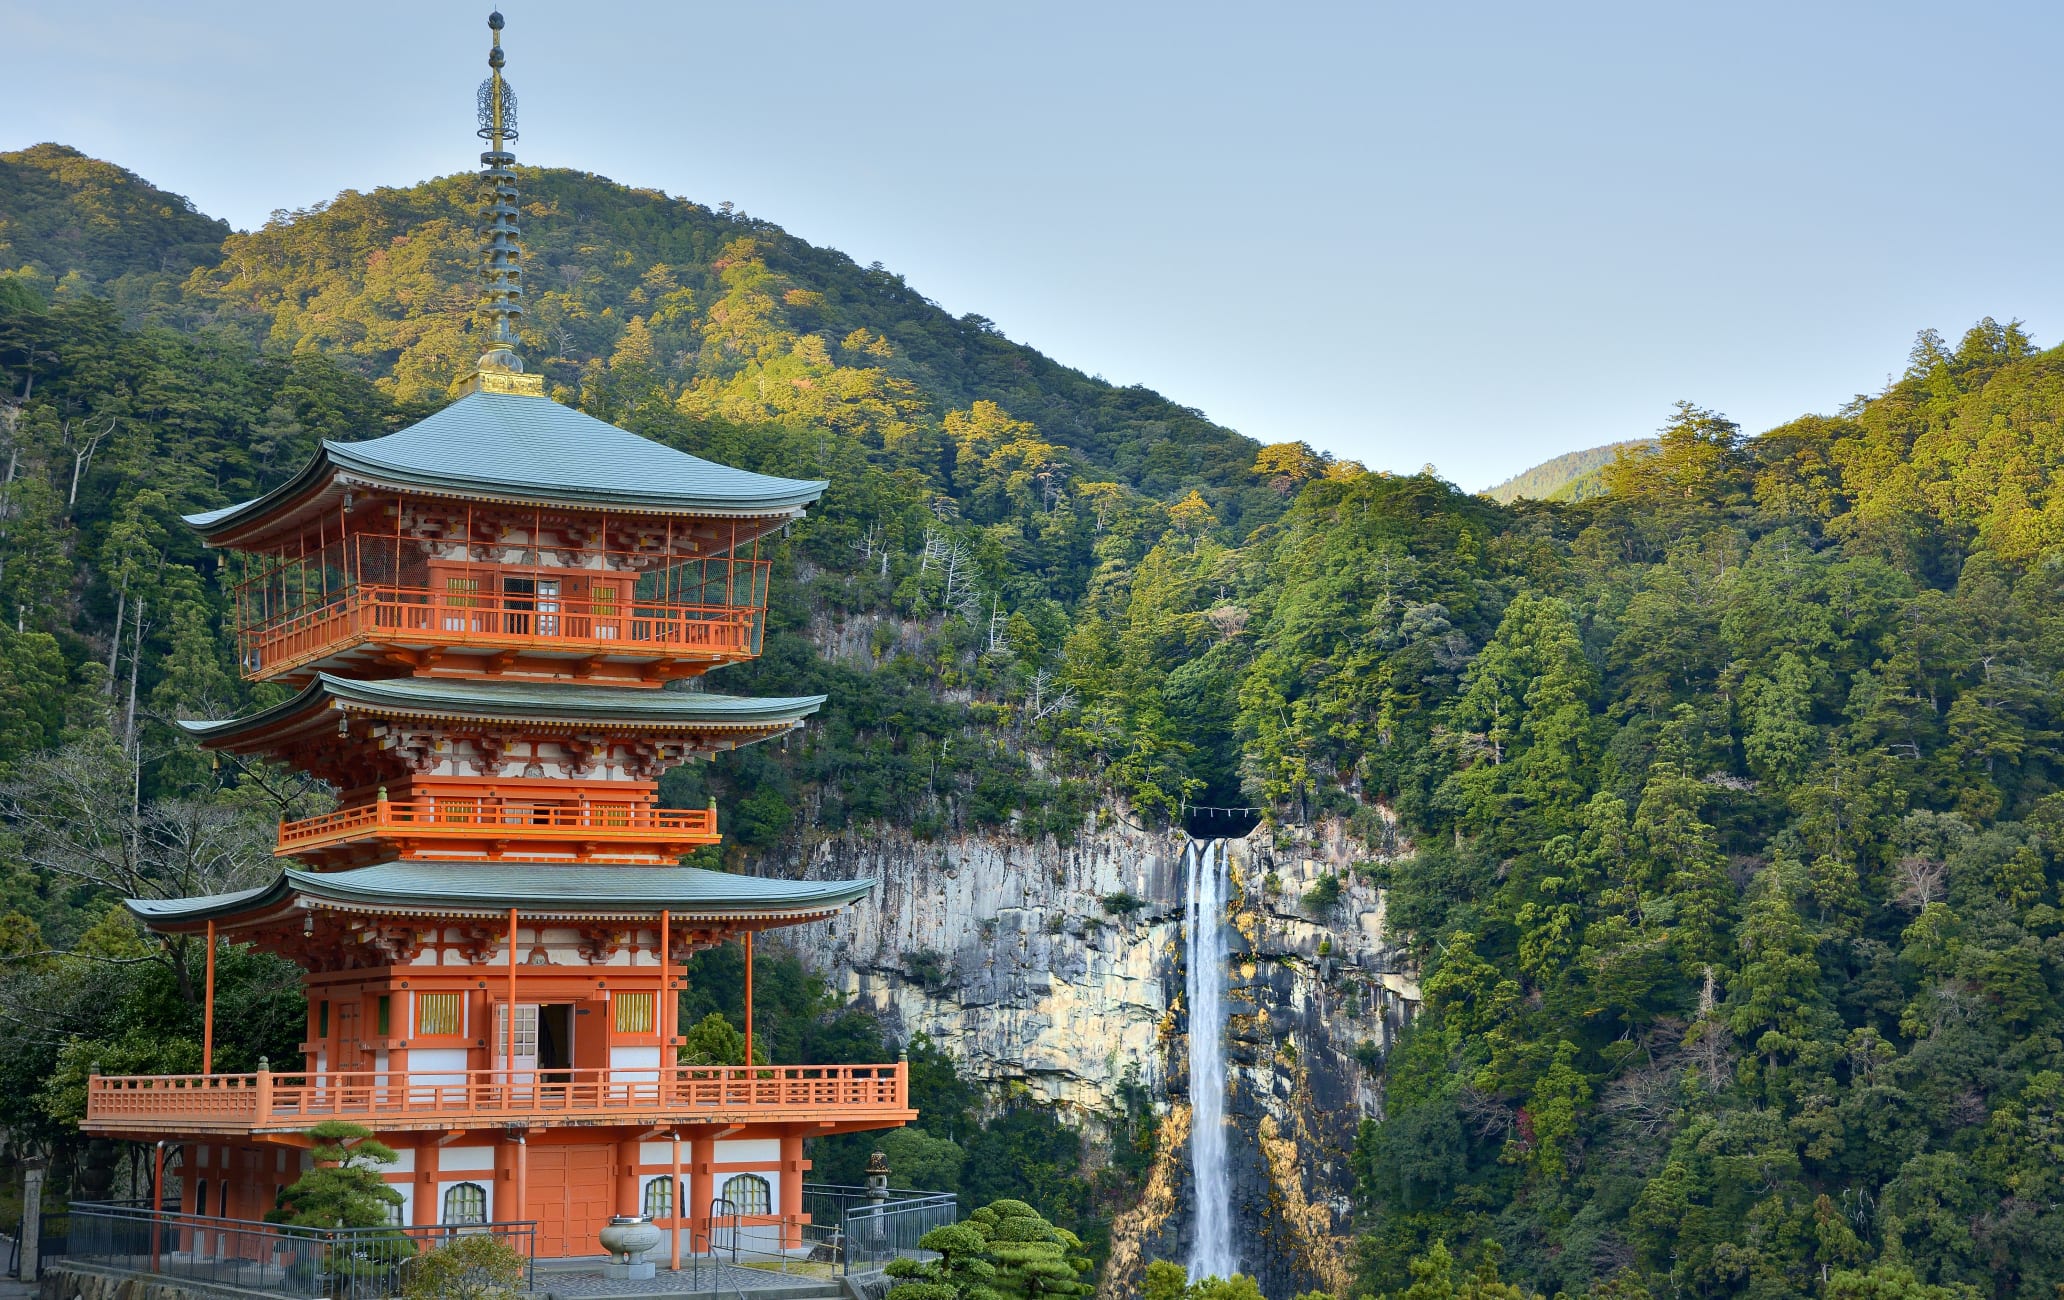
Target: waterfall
x=1211, y=1243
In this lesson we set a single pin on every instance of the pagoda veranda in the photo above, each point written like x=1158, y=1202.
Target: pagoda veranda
x=480, y=614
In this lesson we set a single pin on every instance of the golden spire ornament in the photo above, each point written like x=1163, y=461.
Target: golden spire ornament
x=499, y=369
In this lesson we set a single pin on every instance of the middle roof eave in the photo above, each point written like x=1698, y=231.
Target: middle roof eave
x=517, y=702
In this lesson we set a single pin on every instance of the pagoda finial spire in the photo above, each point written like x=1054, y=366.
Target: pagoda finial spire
x=499, y=368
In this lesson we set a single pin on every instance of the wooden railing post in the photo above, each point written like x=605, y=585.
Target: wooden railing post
x=264, y=1091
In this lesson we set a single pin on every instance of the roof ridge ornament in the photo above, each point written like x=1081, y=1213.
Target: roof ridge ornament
x=499, y=369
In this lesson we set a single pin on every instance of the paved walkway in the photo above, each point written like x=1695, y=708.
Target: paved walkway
x=11, y=1289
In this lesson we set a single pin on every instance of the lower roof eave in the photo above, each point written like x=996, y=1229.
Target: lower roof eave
x=854, y=1119
x=537, y=892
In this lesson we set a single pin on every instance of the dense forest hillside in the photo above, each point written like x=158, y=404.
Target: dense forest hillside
x=1722, y=811
x=100, y=229
x=1572, y=476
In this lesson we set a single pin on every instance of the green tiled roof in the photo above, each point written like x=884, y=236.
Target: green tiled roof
x=534, y=450
x=536, y=890
x=525, y=701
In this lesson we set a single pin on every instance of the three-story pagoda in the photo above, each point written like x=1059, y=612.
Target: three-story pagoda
x=480, y=613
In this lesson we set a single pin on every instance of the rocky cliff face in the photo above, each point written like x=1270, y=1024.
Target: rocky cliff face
x=1059, y=969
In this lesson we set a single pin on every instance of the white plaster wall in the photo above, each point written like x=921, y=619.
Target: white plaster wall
x=452, y=1160
x=645, y=1060
x=437, y=1065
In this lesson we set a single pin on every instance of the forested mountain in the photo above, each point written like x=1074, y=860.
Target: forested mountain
x=1722, y=811
x=100, y=229
x=1572, y=476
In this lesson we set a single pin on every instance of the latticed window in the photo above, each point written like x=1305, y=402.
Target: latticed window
x=465, y=1203
x=750, y=1193
x=633, y=1013
x=461, y=594
x=526, y=1044
x=659, y=1199
x=438, y=1013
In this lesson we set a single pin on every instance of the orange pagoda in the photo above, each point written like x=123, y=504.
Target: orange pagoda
x=481, y=613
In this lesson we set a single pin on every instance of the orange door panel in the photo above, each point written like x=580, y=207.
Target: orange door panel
x=569, y=1197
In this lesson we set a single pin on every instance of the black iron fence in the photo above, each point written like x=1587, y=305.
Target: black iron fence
x=876, y=1234
x=876, y=1227
x=281, y=1259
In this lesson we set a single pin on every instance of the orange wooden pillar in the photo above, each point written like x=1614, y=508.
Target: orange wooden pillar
x=791, y=1189
x=509, y=1041
x=208, y=1009
x=748, y=1001
x=522, y=1179
x=423, y=1207
x=627, y=1159
x=659, y=1008
x=702, y=1153
x=677, y=1200
x=665, y=1012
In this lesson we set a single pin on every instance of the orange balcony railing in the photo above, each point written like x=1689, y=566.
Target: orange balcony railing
x=223, y=1103
x=475, y=819
x=497, y=621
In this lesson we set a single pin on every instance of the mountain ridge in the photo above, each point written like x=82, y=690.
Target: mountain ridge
x=100, y=225
x=1572, y=476
x=386, y=280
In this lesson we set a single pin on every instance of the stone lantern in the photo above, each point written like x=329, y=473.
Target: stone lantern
x=878, y=1177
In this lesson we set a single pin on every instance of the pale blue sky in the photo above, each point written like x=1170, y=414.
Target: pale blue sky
x=1476, y=235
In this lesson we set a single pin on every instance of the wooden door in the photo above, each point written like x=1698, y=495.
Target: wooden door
x=350, y=1050
x=569, y=1196
x=524, y=1057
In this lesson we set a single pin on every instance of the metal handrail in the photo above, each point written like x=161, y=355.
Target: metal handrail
x=301, y=1263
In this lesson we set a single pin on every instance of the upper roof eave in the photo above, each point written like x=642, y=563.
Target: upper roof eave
x=535, y=452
